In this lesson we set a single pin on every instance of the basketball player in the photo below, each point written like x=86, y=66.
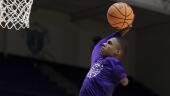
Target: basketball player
x=106, y=70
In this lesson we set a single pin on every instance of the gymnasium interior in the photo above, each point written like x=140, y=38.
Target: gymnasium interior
x=52, y=57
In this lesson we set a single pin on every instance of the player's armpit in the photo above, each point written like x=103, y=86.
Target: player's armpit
x=124, y=81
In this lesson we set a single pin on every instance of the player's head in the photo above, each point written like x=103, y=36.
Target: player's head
x=114, y=47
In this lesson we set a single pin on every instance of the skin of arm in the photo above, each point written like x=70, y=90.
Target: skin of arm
x=124, y=81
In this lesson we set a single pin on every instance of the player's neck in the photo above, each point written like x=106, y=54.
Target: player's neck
x=117, y=56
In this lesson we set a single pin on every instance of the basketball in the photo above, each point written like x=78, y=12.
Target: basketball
x=120, y=15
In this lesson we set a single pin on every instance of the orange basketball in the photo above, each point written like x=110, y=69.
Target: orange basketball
x=120, y=15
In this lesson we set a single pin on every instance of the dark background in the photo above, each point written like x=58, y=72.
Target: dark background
x=52, y=57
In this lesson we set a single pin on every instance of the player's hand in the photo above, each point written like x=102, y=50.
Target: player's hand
x=125, y=31
x=124, y=81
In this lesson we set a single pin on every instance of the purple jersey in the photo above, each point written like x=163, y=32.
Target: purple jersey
x=104, y=74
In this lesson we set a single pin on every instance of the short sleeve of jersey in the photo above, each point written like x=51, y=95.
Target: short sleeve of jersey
x=117, y=69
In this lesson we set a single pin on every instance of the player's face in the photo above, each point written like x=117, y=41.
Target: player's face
x=110, y=47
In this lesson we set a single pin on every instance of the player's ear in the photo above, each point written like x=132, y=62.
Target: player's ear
x=118, y=52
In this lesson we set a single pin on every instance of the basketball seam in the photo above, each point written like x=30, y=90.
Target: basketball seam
x=125, y=9
x=129, y=14
x=124, y=18
x=127, y=23
x=119, y=11
x=131, y=10
x=117, y=17
x=117, y=23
